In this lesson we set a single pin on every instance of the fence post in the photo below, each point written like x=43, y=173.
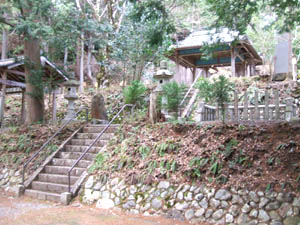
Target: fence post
x=201, y=111
x=236, y=107
x=277, y=111
x=217, y=112
x=289, y=109
x=245, y=112
x=266, y=117
x=226, y=113
x=257, y=112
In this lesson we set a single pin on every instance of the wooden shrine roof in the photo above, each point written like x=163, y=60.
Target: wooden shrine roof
x=14, y=67
x=190, y=53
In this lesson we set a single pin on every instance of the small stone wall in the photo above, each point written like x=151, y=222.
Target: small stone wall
x=195, y=203
x=9, y=178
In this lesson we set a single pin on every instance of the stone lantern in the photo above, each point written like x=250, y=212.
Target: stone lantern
x=163, y=76
x=71, y=86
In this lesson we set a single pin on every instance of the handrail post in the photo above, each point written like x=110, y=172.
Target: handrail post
x=69, y=181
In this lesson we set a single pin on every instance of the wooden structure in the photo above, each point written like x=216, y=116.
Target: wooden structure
x=228, y=49
x=247, y=112
x=12, y=79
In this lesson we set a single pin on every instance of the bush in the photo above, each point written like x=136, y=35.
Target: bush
x=133, y=94
x=174, y=94
x=217, y=91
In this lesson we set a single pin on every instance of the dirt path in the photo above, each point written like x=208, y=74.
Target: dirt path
x=26, y=211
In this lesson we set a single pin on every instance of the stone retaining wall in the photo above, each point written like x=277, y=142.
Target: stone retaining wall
x=9, y=178
x=195, y=203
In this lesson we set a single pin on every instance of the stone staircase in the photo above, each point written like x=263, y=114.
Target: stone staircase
x=52, y=180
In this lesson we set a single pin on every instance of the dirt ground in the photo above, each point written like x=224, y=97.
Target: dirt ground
x=27, y=211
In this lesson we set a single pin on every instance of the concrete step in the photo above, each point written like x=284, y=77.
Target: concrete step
x=42, y=195
x=49, y=187
x=105, y=136
x=69, y=162
x=79, y=148
x=76, y=155
x=63, y=170
x=99, y=128
x=56, y=178
x=87, y=142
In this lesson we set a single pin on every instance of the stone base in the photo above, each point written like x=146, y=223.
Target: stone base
x=19, y=190
x=65, y=198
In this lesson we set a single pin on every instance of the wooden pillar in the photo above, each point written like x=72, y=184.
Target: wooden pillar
x=266, y=105
x=23, y=109
x=194, y=74
x=245, y=106
x=233, y=57
x=54, y=118
x=257, y=112
x=236, y=106
x=277, y=111
x=243, y=69
x=206, y=72
x=152, y=108
x=2, y=102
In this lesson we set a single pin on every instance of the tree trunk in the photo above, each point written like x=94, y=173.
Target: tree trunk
x=89, y=65
x=4, y=44
x=4, y=76
x=35, y=104
x=81, y=64
x=78, y=55
x=66, y=59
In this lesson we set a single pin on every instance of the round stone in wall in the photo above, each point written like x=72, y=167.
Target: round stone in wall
x=156, y=203
x=105, y=204
x=223, y=194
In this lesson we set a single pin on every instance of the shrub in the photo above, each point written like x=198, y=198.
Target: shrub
x=217, y=91
x=174, y=94
x=133, y=94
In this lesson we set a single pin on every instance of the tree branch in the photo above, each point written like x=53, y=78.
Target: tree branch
x=3, y=20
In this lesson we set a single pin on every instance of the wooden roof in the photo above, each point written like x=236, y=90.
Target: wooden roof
x=189, y=52
x=14, y=67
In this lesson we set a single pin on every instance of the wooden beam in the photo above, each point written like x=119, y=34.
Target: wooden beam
x=186, y=61
x=12, y=83
x=233, y=56
x=14, y=72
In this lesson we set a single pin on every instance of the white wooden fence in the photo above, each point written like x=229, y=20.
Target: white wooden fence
x=236, y=112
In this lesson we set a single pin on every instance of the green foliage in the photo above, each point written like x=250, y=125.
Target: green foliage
x=133, y=94
x=99, y=162
x=217, y=91
x=144, y=151
x=167, y=146
x=153, y=14
x=237, y=15
x=174, y=95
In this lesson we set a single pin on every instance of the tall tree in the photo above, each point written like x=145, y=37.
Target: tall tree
x=237, y=15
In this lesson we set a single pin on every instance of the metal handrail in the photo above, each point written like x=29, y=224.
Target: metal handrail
x=188, y=92
x=92, y=144
x=51, y=138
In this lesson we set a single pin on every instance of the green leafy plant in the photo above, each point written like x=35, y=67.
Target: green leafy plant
x=174, y=94
x=144, y=151
x=133, y=94
x=217, y=91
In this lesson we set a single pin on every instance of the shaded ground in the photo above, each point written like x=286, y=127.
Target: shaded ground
x=21, y=211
